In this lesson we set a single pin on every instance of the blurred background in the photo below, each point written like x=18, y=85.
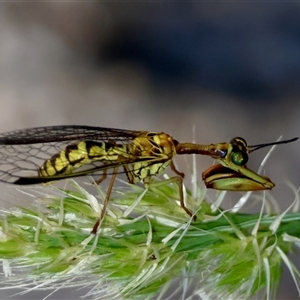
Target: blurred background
x=222, y=69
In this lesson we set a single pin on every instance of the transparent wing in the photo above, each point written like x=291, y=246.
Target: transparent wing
x=66, y=133
x=22, y=152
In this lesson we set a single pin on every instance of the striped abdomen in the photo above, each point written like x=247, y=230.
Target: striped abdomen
x=77, y=155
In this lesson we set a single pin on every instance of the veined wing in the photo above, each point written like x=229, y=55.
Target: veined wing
x=23, y=152
x=56, y=134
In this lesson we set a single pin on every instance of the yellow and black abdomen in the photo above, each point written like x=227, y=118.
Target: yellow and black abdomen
x=75, y=156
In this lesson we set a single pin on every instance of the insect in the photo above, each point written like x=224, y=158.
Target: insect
x=44, y=154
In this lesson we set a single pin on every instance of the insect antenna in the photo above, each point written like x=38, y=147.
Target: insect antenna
x=256, y=147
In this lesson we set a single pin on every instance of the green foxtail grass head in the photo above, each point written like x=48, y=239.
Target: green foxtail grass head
x=147, y=246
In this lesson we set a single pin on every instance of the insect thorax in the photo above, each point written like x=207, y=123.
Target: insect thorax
x=155, y=146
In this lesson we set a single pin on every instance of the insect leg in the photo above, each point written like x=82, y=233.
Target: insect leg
x=102, y=178
x=176, y=179
x=179, y=180
x=173, y=168
x=128, y=173
x=106, y=200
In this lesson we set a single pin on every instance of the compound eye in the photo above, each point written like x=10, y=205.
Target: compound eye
x=239, y=158
x=239, y=143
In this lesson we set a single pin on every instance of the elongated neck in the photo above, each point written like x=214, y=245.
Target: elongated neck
x=217, y=151
x=190, y=148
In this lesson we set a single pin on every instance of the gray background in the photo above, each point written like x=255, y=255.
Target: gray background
x=227, y=69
